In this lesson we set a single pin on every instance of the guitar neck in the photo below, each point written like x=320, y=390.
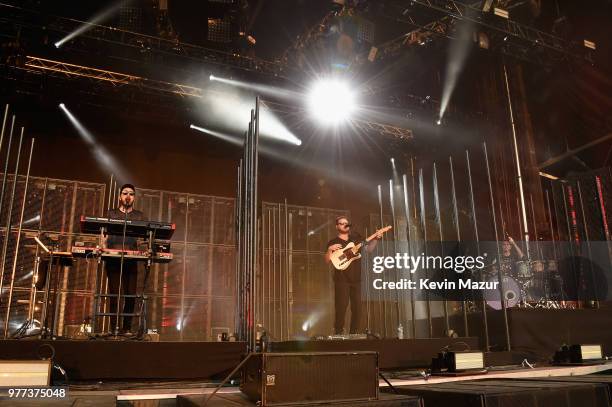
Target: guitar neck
x=373, y=235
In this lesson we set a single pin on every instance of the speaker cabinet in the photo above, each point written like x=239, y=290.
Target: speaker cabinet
x=276, y=379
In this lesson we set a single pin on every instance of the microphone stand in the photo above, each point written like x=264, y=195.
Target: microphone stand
x=142, y=312
x=116, y=333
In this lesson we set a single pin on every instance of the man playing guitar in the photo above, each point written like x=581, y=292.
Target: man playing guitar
x=347, y=283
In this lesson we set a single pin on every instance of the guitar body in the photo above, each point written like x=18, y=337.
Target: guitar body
x=342, y=258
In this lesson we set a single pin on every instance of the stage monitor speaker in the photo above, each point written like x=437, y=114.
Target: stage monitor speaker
x=466, y=361
x=578, y=354
x=25, y=373
x=276, y=379
x=458, y=362
x=585, y=353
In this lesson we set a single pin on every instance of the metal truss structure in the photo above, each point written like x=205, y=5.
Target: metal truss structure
x=116, y=79
x=21, y=20
x=515, y=39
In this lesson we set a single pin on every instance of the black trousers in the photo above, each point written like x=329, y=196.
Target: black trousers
x=128, y=286
x=345, y=292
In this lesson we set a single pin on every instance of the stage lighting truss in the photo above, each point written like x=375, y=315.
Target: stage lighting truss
x=116, y=79
x=113, y=78
x=17, y=22
x=396, y=132
x=514, y=39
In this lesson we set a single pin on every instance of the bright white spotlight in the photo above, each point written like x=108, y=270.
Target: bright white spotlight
x=212, y=77
x=63, y=106
x=439, y=122
x=86, y=26
x=331, y=101
x=226, y=137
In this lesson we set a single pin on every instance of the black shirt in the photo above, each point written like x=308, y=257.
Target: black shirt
x=116, y=241
x=352, y=274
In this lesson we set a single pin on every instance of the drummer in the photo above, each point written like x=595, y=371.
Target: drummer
x=511, y=254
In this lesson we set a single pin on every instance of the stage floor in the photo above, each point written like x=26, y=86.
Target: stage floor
x=124, y=360
x=232, y=395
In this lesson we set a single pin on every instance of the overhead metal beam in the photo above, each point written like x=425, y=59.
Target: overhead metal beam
x=117, y=79
x=515, y=39
x=573, y=151
x=507, y=27
x=18, y=20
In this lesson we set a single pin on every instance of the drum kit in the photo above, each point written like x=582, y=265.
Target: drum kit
x=530, y=284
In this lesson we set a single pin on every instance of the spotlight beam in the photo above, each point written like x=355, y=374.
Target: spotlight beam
x=225, y=137
x=102, y=156
x=86, y=26
x=259, y=88
x=456, y=61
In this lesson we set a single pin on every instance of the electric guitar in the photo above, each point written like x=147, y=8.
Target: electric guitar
x=342, y=258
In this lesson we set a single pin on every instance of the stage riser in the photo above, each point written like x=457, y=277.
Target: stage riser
x=539, y=332
x=124, y=360
x=121, y=360
x=393, y=353
x=386, y=400
x=510, y=393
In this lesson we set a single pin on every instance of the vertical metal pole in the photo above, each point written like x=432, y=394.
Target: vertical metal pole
x=466, y=331
x=409, y=238
x=384, y=302
x=245, y=248
x=475, y=223
x=9, y=216
x=280, y=275
x=441, y=235
x=571, y=242
x=538, y=248
x=15, y=258
x=268, y=261
x=238, y=254
x=110, y=190
x=395, y=236
x=424, y=229
x=288, y=271
x=499, y=256
x=6, y=110
x=32, y=304
x=255, y=191
x=519, y=176
x=248, y=237
x=552, y=229
x=587, y=239
x=114, y=191
x=6, y=164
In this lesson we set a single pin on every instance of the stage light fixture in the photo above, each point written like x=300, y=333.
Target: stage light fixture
x=97, y=19
x=501, y=13
x=590, y=44
x=212, y=77
x=331, y=101
x=439, y=122
x=579, y=355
